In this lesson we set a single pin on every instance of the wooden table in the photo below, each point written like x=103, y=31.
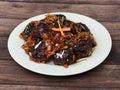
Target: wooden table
x=104, y=77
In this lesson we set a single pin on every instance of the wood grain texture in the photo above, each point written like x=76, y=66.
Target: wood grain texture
x=13, y=74
x=26, y=10
x=97, y=2
x=28, y=87
x=104, y=77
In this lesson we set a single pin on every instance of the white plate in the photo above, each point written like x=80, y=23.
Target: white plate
x=100, y=53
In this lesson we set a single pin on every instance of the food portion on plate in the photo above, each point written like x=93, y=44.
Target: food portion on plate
x=57, y=39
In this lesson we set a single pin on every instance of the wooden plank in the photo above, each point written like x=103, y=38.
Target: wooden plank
x=27, y=10
x=7, y=25
x=97, y=2
x=28, y=87
x=4, y=54
x=24, y=87
x=104, y=76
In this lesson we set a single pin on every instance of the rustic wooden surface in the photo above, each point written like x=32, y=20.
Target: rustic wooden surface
x=104, y=77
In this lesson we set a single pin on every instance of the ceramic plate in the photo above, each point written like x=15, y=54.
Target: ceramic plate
x=100, y=53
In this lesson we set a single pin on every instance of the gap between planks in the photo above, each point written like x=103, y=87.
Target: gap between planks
x=92, y=2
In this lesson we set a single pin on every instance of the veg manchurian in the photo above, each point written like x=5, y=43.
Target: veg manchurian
x=58, y=39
